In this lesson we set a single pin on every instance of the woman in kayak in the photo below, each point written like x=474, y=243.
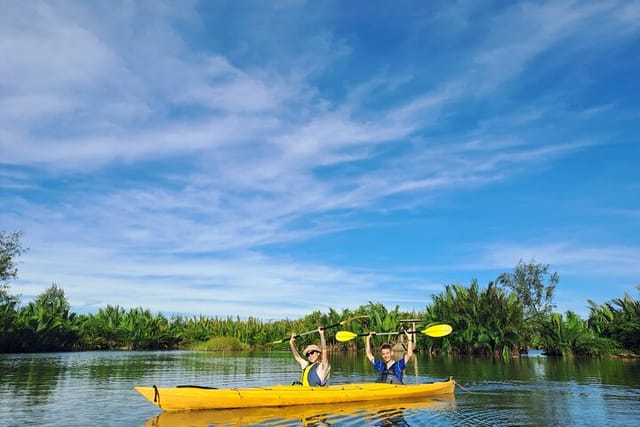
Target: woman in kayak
x=389, y=370
x=315, y=369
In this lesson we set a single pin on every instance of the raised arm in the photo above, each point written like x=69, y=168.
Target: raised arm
x=409, y=352
x=368, y=347
x=323, y=345
x=296, y=355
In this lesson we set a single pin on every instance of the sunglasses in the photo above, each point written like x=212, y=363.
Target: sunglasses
x=311, y=352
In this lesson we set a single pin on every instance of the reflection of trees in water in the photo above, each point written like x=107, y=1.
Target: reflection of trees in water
x=106, y=368
x=206, y=368
x=37, y=376
x=34, y=378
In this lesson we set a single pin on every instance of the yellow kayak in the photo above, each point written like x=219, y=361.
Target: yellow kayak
x=194, y=397
x=371, y=412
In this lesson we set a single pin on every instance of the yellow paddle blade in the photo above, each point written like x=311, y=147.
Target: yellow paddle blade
x=343, y=336
x=438, y=331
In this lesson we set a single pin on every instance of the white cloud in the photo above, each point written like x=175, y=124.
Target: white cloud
x=522, y=32
x=236, y=153
x=571, y=257
x=246, y=284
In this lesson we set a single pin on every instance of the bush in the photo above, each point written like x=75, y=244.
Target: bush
x=598, y=346
x=222, y=344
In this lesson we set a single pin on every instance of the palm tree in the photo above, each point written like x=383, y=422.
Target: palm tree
x=46, y=324
x=618, y=319
x=488, y=321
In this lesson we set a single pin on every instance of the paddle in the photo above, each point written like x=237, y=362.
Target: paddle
x=335, y=325
x=435, y=331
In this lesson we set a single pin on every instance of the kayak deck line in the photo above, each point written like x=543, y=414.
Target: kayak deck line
x=204, y=387
x=202, y=397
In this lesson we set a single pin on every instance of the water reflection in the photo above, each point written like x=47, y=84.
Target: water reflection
x=32, y=377
x=382, y=413
x=96, y=388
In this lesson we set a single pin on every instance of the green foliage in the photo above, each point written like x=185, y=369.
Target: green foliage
x=104, y=330
x=136, y=329
x=223, y=344
x=618, y=320
x=10, y=248
x=501, y=319
x=8, y=316
x=533, y=285
x=382, y=320
x=571, y=336
x=487, y=321
x=46, y=324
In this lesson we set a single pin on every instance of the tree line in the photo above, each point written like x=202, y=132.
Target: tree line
x=508, y=316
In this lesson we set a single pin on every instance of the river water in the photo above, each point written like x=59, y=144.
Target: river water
x=96, y=388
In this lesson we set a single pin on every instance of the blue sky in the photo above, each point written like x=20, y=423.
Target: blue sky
x=273, y=158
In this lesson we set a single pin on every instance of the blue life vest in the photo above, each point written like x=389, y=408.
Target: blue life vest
x=391, y=374
x=310, y=377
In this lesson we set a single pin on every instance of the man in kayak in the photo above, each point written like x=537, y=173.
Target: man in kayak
x=389, y=370
x=316, y=368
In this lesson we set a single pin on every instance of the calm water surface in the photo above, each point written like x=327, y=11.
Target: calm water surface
x=96, y=388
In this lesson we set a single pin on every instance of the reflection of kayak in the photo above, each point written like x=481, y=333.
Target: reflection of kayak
x=370, y=412
x=193, y=397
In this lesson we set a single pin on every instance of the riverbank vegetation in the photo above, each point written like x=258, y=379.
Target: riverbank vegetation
x=510, y=315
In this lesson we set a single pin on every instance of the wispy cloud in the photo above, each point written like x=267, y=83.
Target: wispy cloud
x=245, y=284
x=572, y=257
x=524, y=31
x=186, y=154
